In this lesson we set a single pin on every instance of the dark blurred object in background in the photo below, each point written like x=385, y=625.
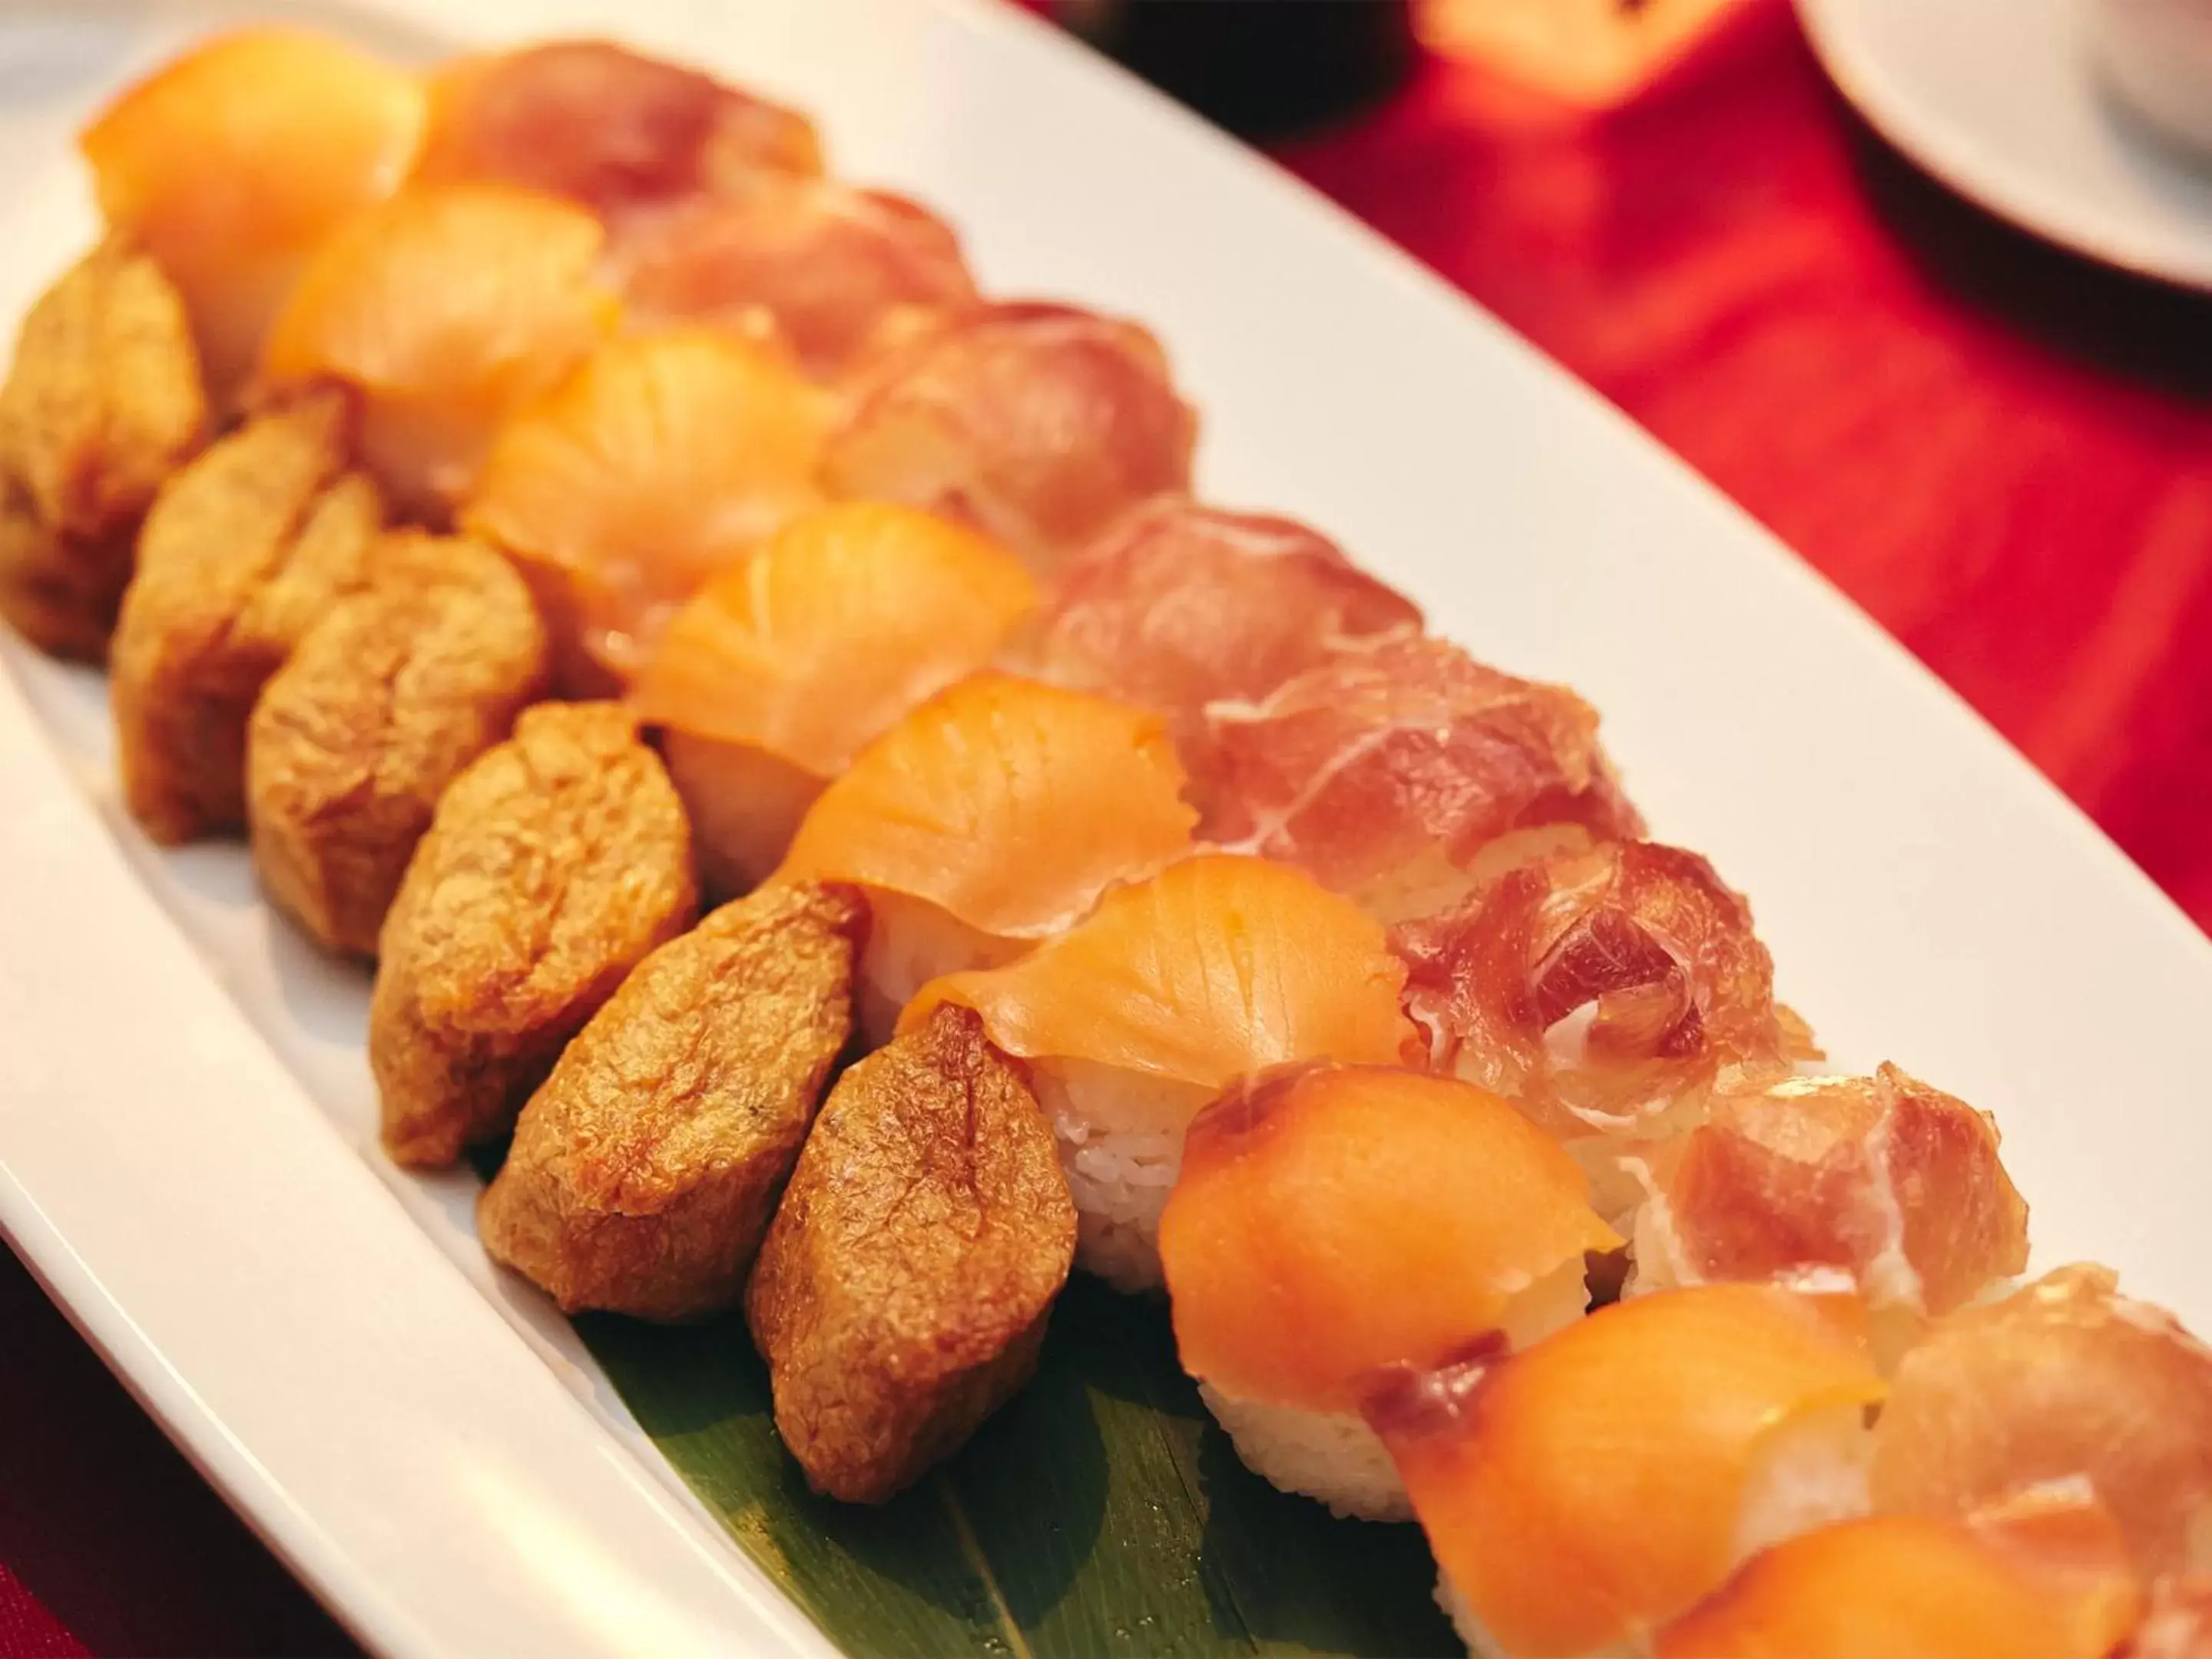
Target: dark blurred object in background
x=1261, y=68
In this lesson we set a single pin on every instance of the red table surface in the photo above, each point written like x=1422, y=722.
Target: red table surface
x=2005, y=454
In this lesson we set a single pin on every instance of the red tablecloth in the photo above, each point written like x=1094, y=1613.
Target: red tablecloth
x=2005, y=454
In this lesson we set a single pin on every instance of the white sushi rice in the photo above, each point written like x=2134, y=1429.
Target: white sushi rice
x=1120, y=1133
x=1812, y=1473
x=911, y=942
x=1483, y=1645
x=1333, y=1457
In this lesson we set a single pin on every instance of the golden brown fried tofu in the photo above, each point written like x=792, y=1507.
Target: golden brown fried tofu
x=242, y=552
x=102, y=403
x=380, y=705
x=57, y=592
x=644, y=1172
x=556, y=863
x=900, y=1297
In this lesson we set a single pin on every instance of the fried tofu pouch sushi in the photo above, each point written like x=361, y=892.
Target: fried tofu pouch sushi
x=902, y=1292
x=1332, y=1222
x=244, y=551
x=644, y=1169
x=2045, y=1577
x=781, y=668
x=558, y=862
x=103, y=401
x=1159, y=1000
x=1585, y=1493
x=378, y=708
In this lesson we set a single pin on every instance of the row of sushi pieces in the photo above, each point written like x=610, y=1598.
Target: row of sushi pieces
x=1206, y=923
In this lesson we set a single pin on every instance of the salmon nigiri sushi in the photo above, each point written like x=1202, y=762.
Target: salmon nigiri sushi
x=776, y=672
x=233, y=162
x=2047, y=1577
x=993, y=816
x=448, y=308
x=1607, y=991
x=1170, y=992
x=607, y=127
x=665, y=457
x=1581, y=1494
x=1896, y=1184
x=2066, y=1379
x=1040, y=424
x=1398, y=769
x=838, y=272
x=1180, y=605
x=1332, y=1222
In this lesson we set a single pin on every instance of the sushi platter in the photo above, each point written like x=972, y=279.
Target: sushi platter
x=811, y=840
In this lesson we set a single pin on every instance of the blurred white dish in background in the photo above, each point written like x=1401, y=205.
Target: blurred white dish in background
x=2004, y=101
x=2157, y=55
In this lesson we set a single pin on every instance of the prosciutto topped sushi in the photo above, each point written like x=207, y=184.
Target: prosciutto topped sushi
x=1400, y=771
x=1180, y=605
x=610, y=128
x=836, y=273
x=1039, y=424
x=1605, y=990
x=1896, y=1184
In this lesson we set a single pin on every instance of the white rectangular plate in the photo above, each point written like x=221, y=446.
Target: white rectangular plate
x=187, y=1143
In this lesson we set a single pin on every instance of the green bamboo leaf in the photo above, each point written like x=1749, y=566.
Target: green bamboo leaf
x=1102, y=1513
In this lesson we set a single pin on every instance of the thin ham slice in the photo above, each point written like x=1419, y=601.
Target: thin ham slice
x=1038, y=424
x=1388, y=770
x=1181, y=605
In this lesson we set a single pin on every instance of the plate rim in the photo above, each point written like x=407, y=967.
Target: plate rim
x=29, y=764
x=1917, y=135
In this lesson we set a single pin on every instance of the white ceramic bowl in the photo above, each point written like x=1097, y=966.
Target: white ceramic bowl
x=2157, y=56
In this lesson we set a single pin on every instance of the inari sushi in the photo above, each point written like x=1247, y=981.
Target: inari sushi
x=1168, y=993
x=448, y=307
x=776, y=673
x=1728, y=1416
x=232, y=161
x=990, y=818
x=665, y=456
x=1333, y=1222
x=2046, y=1577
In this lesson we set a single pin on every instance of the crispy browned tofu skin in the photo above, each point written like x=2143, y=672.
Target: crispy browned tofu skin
x=380, y=705
x=644, y=1172
x=902, y=1294
x=556, y=863
x=103, y=401
x=242, y=552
